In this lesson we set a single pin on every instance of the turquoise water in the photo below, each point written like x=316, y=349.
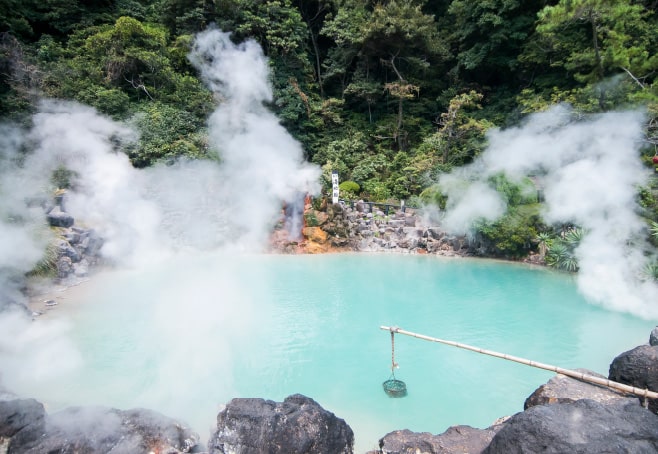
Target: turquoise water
x=187, y=336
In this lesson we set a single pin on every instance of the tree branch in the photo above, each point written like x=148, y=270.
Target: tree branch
x=139, y=86
x=634, y=78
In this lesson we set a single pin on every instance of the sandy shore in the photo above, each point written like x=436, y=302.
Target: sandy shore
x=46, y=298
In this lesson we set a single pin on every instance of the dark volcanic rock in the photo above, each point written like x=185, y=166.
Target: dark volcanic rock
x=638, y=367
x=563, y=389
x=296, y=425
x=59, y=218
x=455, y=440
x=21, y=422
x=64, y=249
x=653, y=337
x=92, y=430
x=581, y=427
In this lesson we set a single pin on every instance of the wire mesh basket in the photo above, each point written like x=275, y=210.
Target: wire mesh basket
x=395, y=388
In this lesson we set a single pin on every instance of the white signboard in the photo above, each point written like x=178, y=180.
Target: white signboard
x=334, y=184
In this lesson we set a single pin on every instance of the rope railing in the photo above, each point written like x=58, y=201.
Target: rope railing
x=568, y=372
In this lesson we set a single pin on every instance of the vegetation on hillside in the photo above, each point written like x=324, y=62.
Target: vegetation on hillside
x=389, y=93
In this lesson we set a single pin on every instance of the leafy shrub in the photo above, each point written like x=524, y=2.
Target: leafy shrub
x=512, y=236
x=375, y=190
x=349, y=189
x=516, y=193
x=434, y=196
x=166, y=132
x=506, y=238
x=560, y=250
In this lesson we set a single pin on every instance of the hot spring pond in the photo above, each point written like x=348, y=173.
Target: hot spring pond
x=186, y=336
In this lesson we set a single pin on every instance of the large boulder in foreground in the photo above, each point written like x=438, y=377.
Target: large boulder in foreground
x=638, y=367
x=455, y=440
x=563, y=389
x=581, y=427
x=25, y=428
x=295, y=426
x=22, y=421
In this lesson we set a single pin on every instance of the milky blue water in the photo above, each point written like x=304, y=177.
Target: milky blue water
x=188, y=335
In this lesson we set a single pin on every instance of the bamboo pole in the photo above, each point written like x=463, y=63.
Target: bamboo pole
x=568, y=372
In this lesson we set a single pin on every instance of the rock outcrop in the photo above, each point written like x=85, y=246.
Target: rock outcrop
x=638, y=367
x=58, y=218
x=26, y=428
x=455, y=440
x=368, y=227
x=295, y=426
x=581, y=427
x=653, y=337
x=77, y=249
x=562, y=389
x=22, y=421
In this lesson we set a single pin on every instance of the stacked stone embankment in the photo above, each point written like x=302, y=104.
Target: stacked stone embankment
x=364, y=227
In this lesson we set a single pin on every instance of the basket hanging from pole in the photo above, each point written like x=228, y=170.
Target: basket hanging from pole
x=394, y=387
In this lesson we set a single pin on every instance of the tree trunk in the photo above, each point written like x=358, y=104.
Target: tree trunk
x=316, y=50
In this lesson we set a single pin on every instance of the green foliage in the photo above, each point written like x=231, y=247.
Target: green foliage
x=375, y=190
x=115, y=67
x=110, y=101
x=166, y=133
x=490, y=35
x=523, y=192
x=654, y=229
x=604, y=35
x=650, y=271
x=131, y=54
x=434, y=196
x=62, y=178
x=184, y=16
x=592, y=40
x=276, y=24
x=47, y=266
x=560, y=250
x=311, y=220
x=349, y=189
x=460, y=137
x=511, y=236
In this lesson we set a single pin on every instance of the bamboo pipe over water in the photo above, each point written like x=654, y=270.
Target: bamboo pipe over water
x=568, y=372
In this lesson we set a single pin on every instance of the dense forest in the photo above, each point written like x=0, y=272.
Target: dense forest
x=389, y=93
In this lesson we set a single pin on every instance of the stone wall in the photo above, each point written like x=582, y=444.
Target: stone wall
x=77, y=248
x=364, y=227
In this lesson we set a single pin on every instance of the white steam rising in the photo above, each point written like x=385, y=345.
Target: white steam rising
x=147, y=216
x=590, y=171
x=261, y=162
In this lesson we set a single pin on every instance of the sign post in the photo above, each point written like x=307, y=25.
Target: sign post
x=334, y=185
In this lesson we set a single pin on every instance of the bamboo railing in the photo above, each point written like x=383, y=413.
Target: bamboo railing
x=568, y=372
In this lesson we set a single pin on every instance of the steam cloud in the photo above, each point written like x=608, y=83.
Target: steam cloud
x=590, y=171
x=144, y=216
